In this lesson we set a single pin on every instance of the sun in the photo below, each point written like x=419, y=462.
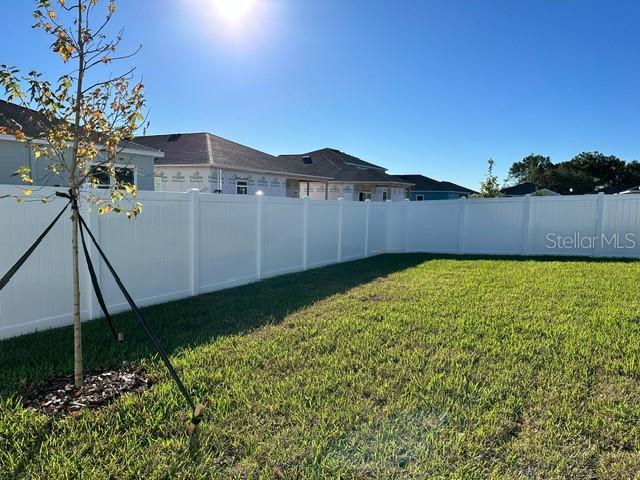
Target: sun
x=233, y=9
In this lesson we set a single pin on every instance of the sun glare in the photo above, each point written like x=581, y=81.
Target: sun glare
x=233, y=9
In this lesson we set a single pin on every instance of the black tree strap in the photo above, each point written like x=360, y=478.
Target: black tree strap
x=143, y=322
x=12, y=271
x=96, y=285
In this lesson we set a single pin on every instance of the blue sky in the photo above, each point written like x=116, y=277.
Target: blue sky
x=419, y=86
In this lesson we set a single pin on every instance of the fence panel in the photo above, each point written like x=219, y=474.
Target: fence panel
x=395, y=227
x=433, y=226
x=228, y=239
x=552, y=219
x=493, y=226
x=283, y=235
x=353, y=230
x=377, y=243
x=152, y=260
x=323, y=232
x=39, y=295
x=620, y=226
x=189, y=243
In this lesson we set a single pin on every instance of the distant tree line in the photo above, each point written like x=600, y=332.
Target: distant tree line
x=587, y=172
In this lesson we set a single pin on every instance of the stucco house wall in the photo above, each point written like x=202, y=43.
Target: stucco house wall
x=430, y=195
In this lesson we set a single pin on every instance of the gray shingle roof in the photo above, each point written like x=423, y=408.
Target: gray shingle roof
x=34, y=123
x=208, y=149
x=339, y=166
x=525, y=188
x=427, y=184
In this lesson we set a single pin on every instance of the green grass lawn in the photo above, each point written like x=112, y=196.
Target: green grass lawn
x=399, y=366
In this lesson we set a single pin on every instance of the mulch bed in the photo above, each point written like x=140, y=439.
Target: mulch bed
x=59, y=397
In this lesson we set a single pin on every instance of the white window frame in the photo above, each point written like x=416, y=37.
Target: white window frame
x=245, y=186
x=419, y=198
x=364, y=195
x=116, y=166
x=385, y=196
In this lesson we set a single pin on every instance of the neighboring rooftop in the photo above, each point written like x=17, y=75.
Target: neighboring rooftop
x=34, y=123
x=208, y=149
x=427, y=184
x=340, y=166
x=525, y=188
x=618, y=189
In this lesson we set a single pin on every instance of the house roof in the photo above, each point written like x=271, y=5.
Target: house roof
x=340, y=166
x=208, y=149
x=427, y=184
x=34, y=123
x=614, y=189
x=526, y=188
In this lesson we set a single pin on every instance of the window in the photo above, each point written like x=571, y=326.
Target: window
x=362, y=196
x=307, y=160
x=242, y=187
x=419, y=198
x=385, y=196
x=100, y=175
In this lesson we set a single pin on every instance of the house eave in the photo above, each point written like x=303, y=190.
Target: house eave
x=361, y=182
x=126, y=150
x=441, y=191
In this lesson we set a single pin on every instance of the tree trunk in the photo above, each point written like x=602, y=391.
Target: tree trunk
x=77, y=325
x=73, y=184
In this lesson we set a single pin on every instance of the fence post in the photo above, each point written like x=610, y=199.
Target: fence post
x=367, y=209
x=305, y=234
x=462, y=221
x=259, y=233
x=340, y=220
x=93, y=222
x=597, y=247
x=388, y=229
x=194, y=230
x=405, y=225
x=526, y=223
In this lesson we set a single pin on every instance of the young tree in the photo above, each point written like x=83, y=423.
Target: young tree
x=489, y=187
x=83, y=121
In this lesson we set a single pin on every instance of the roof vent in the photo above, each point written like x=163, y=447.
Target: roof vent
x=307, y=160
x=174, y=137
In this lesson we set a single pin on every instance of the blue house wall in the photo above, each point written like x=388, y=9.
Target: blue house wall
x=432, y=195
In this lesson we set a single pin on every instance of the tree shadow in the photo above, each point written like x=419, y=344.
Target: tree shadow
x=30, y=359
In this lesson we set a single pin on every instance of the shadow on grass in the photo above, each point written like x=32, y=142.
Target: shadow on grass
x=30, y=359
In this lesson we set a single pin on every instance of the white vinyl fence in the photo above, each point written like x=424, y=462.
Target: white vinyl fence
x=186, y=244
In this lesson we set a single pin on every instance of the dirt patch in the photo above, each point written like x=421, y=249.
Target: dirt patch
x=59, y=397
